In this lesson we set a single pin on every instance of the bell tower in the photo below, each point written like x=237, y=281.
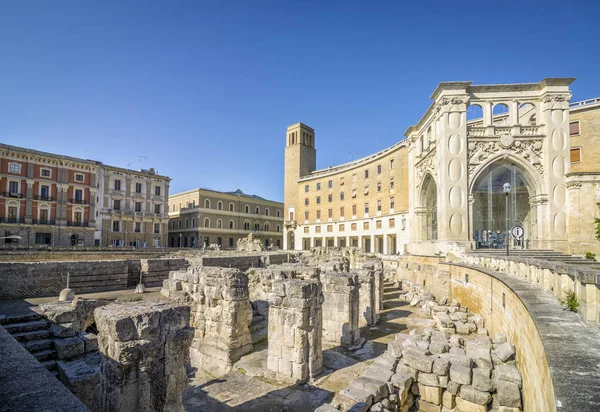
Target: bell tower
x=300, y=160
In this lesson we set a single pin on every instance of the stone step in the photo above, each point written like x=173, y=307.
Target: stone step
x=31, y=335
x=259, y=335
x=50, y=364
x=26, y=326
x=38, y=345
x=257, y=319
x=20, y=318
x=46, y=354
x=259, y=325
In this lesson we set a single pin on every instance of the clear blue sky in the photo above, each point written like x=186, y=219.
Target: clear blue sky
x=206, y=89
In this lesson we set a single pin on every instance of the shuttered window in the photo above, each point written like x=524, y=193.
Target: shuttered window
x=576, y=155
x=574, y=128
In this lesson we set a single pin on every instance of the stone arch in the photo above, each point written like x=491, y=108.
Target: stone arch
x=207, y=204
x=231, y=224
x=231, y=207
x=475, y=112
x=527, y=112
x=219, y=205
x=219, y=224
x=428, y=207
x=498, y=111
x=206, y=222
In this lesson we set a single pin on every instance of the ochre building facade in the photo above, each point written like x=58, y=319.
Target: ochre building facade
x=481, y=159
x=200, y=218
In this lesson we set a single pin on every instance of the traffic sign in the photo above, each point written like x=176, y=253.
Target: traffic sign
x=517, y=232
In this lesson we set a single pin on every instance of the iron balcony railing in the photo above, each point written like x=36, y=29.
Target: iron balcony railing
x=13, y=220
x=78, y=201
x=47, y=198
x=13, y=194
x=44, y=222
x=77, y=223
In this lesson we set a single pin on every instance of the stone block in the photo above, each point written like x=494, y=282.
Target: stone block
x=350, y=396
x=429, y=379
x=439, y=346
x=378, y=373
x=482, y=381
x=326, y=408
x=90, y=341
x=359, y=407
x=378, y=389
x=69, y=348
x=470, y=394
x=82, y=377
x=448, y=400
x=508, y=373
x=441, y=366
x=419, y=361
x=425, y=406
x=453, y=388
x=504, y=351
x=509, y=394
x=431, y=394
x=460, y=374
x=64, y=330
x=466, y=406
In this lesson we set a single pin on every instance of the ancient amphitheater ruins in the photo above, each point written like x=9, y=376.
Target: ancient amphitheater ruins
x=330, y=329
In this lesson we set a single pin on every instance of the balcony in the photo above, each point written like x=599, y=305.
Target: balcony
x=77, y=223
x=44, y=222
x=13, y=194
x=156, y=231
x=78, y=201
x=13, y=220
x=46, y=198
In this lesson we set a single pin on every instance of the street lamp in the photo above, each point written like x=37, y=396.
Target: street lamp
x=180, y=245
x=506, y=187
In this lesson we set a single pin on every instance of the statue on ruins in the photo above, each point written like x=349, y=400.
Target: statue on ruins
x=249, y=244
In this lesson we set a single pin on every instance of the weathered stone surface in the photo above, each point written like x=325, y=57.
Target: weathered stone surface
x=448, y=400
x=425, y=406
x=504, y=351
x=340, y=308
x=375, y=371
x=455, y=359
x=431, y=394
x=145, y=346
x=378, y=389
x=441, y=366
x=460, y=374
x=69, y=348
x=367, y=300
x=407, y=370
x=472, y=395
x=453, y=388
x=70, y=318
x=482, y=381
x=417, y=360
x=82, y=377
x=326, y=408
x=508, y=373
x=463, y=405
x=429, y=379
x=509, y=394
x=359, y=407
x=350, y=396
x=91, y=341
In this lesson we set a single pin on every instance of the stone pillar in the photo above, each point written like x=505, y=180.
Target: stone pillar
x=144, y=347
x=377, y=267
x=340, y=309
x=366, y=297
x=221, y=316
x=295, y=330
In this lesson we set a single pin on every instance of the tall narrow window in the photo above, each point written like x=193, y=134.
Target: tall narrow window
x=157, y=190
x=392, y=203
x=117, y=184
x=574, y=128
x=379, y=205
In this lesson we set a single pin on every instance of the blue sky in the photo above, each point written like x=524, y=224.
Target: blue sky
x=205, y=90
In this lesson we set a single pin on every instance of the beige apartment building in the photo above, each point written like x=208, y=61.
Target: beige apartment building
x=444, y=184
x=134, y=207
x=57, y=200
x=201, y=218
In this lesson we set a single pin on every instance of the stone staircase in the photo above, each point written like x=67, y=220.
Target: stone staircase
x=542, y=254
x=32, y=331
x=259, y=328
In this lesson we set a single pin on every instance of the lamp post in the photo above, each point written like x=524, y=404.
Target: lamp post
x=506, y=187
x=180, y=245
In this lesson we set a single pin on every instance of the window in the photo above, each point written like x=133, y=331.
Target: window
x=305, y=229
x=256, y=226
x=44, y=215
x=306, y=188
x=392, y=223
x=257, y=211
x=138, y=188
x=318, y=186
x=138, y=206
x=341, y=227
x=230, y=242
x=366, y=174
x=329, y=198
x=267, y=227
x=12, y=212
x=342, y=196
x=117, y=183
x=187, y=223
x=366, y=225
x=366, y=207
x=138, y=227
x=342, y=211
x=78, y=217
x=278, y=228
x=379, y=205
x=247, y=210
x=392, y=203
x=574, y=128
x=13, y=187
x=318, y=200
x=219, y=205
x=231, y=207
x=306, y=202
x=317, y=229
x=46, y=172
x=366, y=191
x=193, y=203
x=353, y=210
x=329, y=213
x=157, y=228
x=354, y=177
x=291, y=215
x=330, y=184
x=116, y=204
x=157, y=209
x=391, y=164
x=14, y=168
x=78, y=194
x=379, y=186
x=306, y=215
x=391, y=182
x=266, y=211
x=157, y=193
x=173, y=207
x=207, y=222
x=330, y=228
x=246, y=225
x=220, y=241
x=179, y=223
x=318, y=214
x=341, y=181
x=378, y=224
x=79, y=177
x=44, y=192
x=219, y=224
x=278, y=213
x=116, y=226
x=207, y=204
x=353, y=226
x=231, y=224
x=378, y=169
x=193, y=222
x=576, y=155
x=353, y=193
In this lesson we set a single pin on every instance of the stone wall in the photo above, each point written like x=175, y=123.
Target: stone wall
x=155, y=271
x=340, y=308
x=221, y=314
x=425, y=270
x=145, y=350
x=243, y=262
x=295, y=330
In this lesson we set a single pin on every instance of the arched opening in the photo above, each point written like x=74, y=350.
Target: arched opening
x=219, y=224
x=219, y=205
x=527, y=114
x=207, y=204
x=231, y=224
x=231, y=207
x=475, y=114
x=207, y=222
x=501, y=114
x=429, y=204
x=490, y=206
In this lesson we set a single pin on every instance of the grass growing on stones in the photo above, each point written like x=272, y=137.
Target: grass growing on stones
x=570, y=301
